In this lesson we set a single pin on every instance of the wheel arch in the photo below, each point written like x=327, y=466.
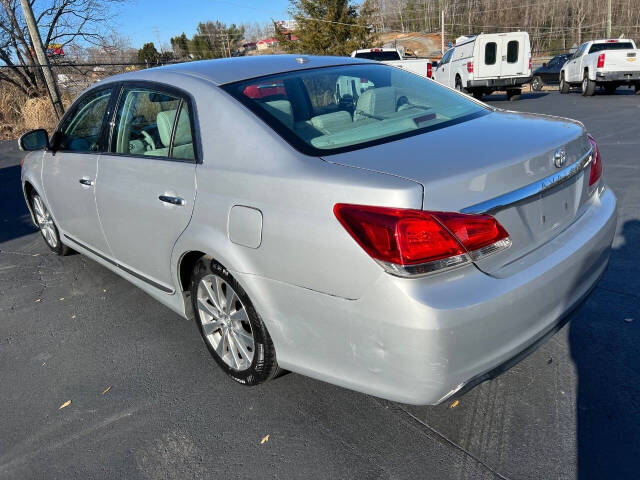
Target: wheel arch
x=28, y=190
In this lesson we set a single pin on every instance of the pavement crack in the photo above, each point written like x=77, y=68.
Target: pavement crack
x=447, y=440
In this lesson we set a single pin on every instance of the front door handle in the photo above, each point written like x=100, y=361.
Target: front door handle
x=87, y=182
x=172, y=200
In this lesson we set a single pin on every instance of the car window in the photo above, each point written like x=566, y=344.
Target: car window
x=512, y=51
x=447, y=57
x=80, y=130
x=598, y=47
x=379, y=55
x=490, y=53
x=146, y=124
x=382, y=104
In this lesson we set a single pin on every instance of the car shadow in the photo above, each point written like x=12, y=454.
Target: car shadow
x=15, y=220
x=523, y=96
x=604, y=340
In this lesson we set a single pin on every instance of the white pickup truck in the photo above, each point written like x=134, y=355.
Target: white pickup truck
x=393, y=57
x=602, y=63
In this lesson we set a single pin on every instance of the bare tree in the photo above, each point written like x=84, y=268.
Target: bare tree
x=60, y=22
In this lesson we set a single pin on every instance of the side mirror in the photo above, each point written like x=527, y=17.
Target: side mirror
x=434, y=64
x=34, y=140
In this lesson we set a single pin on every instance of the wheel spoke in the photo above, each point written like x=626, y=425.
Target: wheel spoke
x=205, y=307
x=212, y=297
x=217, y=287
x=244, y=338
x=221, y=347
x=241, y=347
x=233, y=349
x=230, y=300
x=210, y=327
x=239, y=315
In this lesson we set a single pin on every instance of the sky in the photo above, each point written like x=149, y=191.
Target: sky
x=139, y=19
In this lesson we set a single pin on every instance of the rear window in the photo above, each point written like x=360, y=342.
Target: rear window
x=512, y=51
x=335, y=109
x=598, y=47
x=490, y=53
x=379, y=56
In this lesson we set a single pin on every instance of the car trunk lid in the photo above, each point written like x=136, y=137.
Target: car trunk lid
x=484, y=165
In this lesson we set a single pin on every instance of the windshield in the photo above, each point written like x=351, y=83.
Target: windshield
x=336, y=109
x=598, y=47
x=379, y=56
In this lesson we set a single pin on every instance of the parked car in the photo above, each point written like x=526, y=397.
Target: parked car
x=408, y=249
x=602, y=63
x=486, y=63
x=393, y=57
x=549, y=72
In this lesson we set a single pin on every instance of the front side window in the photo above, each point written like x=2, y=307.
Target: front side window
x=490, y=50
x=447, y=57
x=376, y=104
x=512, y=51
x=146, y=125
x=80, y=131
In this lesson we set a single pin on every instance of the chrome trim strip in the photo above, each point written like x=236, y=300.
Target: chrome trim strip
x=532, y=190
x=145, y=279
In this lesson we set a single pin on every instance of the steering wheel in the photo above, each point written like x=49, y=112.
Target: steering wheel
x=148, y=139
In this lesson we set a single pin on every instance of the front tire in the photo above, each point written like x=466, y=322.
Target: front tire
x=588, y=86
x=537, y=84
x=564, y=86
x=230, y=327
x=47, y=226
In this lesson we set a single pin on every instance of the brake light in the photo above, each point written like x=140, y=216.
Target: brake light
x=429, y=70
x=601, y=60
x=596, y=162
x=470, y=67
x=412, y=242
x=529, y=62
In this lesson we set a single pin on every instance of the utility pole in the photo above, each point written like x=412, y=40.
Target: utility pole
x=43, y=60
x=441, y=32
x=609, y=19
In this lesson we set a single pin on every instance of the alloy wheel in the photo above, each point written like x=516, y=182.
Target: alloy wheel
x=45, y=222
x=225, y=322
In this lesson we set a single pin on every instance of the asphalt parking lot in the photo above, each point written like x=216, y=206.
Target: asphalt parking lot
x=70, y=329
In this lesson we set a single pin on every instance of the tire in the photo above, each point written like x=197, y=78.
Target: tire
x=47, y=226
x=637, y=88
x=459, y=86
x=588, y=86
x=564, y=86
x=514, y=94
x=235, y=336
x=537, y=84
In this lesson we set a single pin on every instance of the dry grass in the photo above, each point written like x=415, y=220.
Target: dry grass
x=19, y=113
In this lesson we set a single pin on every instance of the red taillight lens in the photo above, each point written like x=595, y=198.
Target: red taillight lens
x=601, y=60
x=529, y=62
x=596, y=163
x=470, y=67
x=429, y=70
x=407, y=237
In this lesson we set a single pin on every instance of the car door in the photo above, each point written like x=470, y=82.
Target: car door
x=513, y=52
x=69, y=169
x=146, y=191
x=573, y=65
x=487, y=61
x=443, y=72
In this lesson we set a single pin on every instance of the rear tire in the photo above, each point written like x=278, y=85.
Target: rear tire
x=537, y=84
x=637, y=88
x=588, y=86
x=230, y=326
x=459, y=86
x=564, y=86
x=47, y=226
x=514, y=94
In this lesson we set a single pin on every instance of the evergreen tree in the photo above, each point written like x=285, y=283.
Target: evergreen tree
x=327, y=27
x=148, y=53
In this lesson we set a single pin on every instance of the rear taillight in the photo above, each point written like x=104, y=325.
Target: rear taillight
x=470, y=67
x=414, y=242
x=529, y=62
x=429, y=70
x=601, y=60
x=596, y=162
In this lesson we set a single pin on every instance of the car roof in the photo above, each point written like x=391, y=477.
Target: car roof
x=229, y=70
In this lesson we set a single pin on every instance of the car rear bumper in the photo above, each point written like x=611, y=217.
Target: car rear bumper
x=420, y=341
x=499, y=82
x=628, y=76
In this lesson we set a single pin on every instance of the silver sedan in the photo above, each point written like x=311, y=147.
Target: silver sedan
x=330, y=216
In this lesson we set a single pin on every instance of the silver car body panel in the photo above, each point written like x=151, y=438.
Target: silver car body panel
x=332, y=311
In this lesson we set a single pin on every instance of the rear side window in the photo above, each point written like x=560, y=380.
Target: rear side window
x=152, y=123
x=80, y=131
x=512, y=51
x=598, y=47
x=490, y=53
x=379, y=56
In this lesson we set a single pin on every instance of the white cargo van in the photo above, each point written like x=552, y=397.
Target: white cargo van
x=485, y=63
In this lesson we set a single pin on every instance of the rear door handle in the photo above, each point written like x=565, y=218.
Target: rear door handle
x=87, y=182
x=172, y=200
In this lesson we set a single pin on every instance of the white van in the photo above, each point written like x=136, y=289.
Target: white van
x=485, y=63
